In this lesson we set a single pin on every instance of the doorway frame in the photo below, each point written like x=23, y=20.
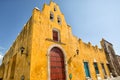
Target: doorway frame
x=65, y=61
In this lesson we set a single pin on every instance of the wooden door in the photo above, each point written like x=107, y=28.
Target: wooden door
x=57, y=64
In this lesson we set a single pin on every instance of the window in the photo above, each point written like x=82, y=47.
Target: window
x=55, y=9
x=86, y=67
x=108, y=65
x=51, y=16
x=103, y=69
x=56, y=35
x=59, y=20
x=96, y=68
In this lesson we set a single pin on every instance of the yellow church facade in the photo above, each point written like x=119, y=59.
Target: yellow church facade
x=46, y=49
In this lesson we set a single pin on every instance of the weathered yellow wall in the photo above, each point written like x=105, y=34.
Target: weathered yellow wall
x=42, y=31
x=2, y=71
x=22, y=66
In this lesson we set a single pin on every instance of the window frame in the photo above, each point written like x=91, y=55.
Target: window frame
x=58, y=34
x=109, y=68
x=103, y=69
x=88, y=68
x=96, y=71
x=51, y=16
x=55, y=8
x=59, y=20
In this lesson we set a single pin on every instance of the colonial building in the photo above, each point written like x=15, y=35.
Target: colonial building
x=113, y=60
x=46, y=49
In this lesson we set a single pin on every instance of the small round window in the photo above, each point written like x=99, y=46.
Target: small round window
x=51, y=16
x=59, y=20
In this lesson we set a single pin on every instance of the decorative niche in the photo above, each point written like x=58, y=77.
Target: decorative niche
x=59, y=20
x=23, y=50
x=51, y=16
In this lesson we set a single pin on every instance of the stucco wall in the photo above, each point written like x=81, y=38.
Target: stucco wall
x=17, y=64
x=42, y=42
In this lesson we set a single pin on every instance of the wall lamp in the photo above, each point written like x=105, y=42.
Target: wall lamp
x=22, y=49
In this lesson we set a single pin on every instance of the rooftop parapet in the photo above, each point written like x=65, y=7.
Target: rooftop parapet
x=89, y=45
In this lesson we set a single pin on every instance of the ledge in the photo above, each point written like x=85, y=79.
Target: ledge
x=58, y=42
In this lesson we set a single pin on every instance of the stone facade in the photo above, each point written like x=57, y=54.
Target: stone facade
x=111, y=57
x=29, y=58
x=118, y=57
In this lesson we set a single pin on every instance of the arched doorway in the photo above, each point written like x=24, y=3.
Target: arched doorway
x=57, y=64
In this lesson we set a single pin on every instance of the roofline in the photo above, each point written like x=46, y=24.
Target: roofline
x=107, y=41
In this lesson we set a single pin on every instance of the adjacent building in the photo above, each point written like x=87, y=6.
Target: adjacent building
x=118, y=57
x=46, y=49
x=114, y=64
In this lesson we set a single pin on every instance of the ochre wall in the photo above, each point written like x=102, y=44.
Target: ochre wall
x=18, y=64
x=42, y=42
x=2, y=71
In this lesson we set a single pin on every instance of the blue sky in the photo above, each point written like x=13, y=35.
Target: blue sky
x=91, y=20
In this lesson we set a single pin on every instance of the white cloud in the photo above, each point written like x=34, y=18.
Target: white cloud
x=1, y=57
x=1, y=54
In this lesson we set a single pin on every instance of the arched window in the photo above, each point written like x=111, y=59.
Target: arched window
x=59, y=20
x=51, y=16
x=56, y=35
